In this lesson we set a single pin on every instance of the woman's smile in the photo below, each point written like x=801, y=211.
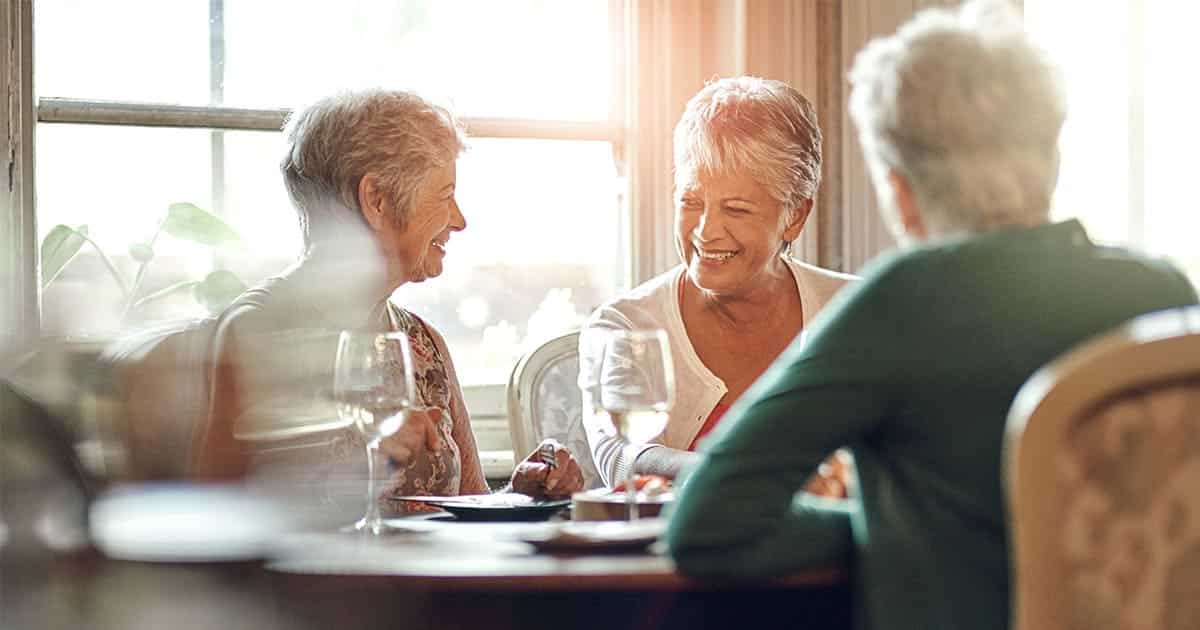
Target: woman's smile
x=713, y=256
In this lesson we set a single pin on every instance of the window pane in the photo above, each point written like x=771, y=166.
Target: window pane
x=124, y=50
x=517, y=58
x=542, y=248
x=119, y=181
x=1172, y=132
x=1095, y=180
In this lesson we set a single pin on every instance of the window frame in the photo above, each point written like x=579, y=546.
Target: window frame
x=18, y=226
x=19, y=233
x=20, y=321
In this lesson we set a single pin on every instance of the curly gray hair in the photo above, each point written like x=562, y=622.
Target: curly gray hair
x=964, y=106
x=756, y=126
x=333, y=143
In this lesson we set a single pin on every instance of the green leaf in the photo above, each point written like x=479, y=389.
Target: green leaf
x=193, y=223
x=218, y=289
x=60, y=247
x=141, y=252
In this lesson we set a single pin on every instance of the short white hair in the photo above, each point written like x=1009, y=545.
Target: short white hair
x=333, y=143
x=760, y=127
x=964, y=106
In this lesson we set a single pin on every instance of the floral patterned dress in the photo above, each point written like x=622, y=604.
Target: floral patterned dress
x=438, y=473
x=450, y=471
x=429, y=473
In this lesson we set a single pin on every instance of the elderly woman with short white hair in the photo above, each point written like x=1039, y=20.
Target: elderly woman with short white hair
x=372, y=177
x=747, y=169
x=914, y=367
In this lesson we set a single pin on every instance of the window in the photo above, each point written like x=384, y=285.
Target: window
x=133, y=119
x=1127, y=142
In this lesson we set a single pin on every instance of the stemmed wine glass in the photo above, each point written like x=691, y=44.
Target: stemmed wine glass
x=636, y=388
x=373, y=389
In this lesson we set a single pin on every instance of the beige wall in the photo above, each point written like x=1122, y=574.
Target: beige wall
x=863, y=234
x=677, y=45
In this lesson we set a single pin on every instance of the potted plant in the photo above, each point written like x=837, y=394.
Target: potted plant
x=184, y=221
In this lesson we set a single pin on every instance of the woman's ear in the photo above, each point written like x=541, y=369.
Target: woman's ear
x=371, y=202
x=796, y=220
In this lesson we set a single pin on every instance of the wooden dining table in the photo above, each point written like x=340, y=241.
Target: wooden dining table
x=482, y=575
x=452, y=575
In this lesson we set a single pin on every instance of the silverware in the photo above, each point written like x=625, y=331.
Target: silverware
x=546, y=454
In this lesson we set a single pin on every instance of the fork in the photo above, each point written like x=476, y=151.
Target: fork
x=546, y=454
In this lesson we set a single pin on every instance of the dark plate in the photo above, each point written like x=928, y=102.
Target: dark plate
x=536, y=511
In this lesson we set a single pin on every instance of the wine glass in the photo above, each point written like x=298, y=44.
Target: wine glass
x=373, y=389
x=636, y=389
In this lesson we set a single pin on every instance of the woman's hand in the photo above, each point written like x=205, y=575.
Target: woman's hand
x=536, y=477
x=832, y=478
x=419, y=432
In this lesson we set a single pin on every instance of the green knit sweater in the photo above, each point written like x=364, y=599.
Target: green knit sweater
x=913, y=369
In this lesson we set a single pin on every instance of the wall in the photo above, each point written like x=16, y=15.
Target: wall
x=863, y=233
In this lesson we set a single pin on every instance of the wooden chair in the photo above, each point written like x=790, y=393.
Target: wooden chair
x=1102, y=466
x=544, y=402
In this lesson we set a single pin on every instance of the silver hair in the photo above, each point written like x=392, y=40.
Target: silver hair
x=964, y=106
x=763, y=128
x=333, y=143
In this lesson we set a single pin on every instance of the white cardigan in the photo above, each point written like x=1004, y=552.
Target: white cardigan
x=655, y=304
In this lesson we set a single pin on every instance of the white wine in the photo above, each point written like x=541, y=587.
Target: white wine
x=638, y=427
x=375, y=416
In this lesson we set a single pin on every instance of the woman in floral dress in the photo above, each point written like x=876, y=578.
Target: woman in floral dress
x=372, y=176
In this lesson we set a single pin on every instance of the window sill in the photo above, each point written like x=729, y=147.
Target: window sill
x=497, y=464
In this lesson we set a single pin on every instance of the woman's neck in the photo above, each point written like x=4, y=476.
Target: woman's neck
x=765, y=301
x=338, y=281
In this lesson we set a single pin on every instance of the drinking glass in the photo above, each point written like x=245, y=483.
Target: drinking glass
x=373, y=389
x=636, y=388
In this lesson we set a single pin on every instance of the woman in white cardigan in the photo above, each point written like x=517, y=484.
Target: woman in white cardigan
x=747, y=167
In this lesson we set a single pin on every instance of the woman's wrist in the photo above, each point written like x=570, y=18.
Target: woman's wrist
x=663, y=460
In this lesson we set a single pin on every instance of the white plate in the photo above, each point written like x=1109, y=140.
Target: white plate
x=173, y=522
x=592, y=536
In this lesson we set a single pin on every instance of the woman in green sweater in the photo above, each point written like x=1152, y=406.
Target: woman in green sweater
x=914, y=368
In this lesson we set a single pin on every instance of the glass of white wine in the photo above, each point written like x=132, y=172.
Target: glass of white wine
x=373, y=389
x=636, y=389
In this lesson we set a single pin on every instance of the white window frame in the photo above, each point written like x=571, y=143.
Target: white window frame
x=19, y=311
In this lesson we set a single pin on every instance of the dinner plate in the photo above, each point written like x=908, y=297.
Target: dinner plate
x=494, y=507
x=597, y=536
x=172, y=522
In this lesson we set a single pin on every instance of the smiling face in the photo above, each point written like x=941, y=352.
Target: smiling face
x=421, y=245
x=729, y=232
x=415, y=251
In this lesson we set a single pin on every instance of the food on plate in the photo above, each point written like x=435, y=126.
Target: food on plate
x=647, y=485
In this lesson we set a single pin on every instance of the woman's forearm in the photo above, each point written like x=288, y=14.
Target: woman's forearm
x=665, y=461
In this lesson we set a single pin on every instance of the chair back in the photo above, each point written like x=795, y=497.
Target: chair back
x=1102, y=471
x=544, y=402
